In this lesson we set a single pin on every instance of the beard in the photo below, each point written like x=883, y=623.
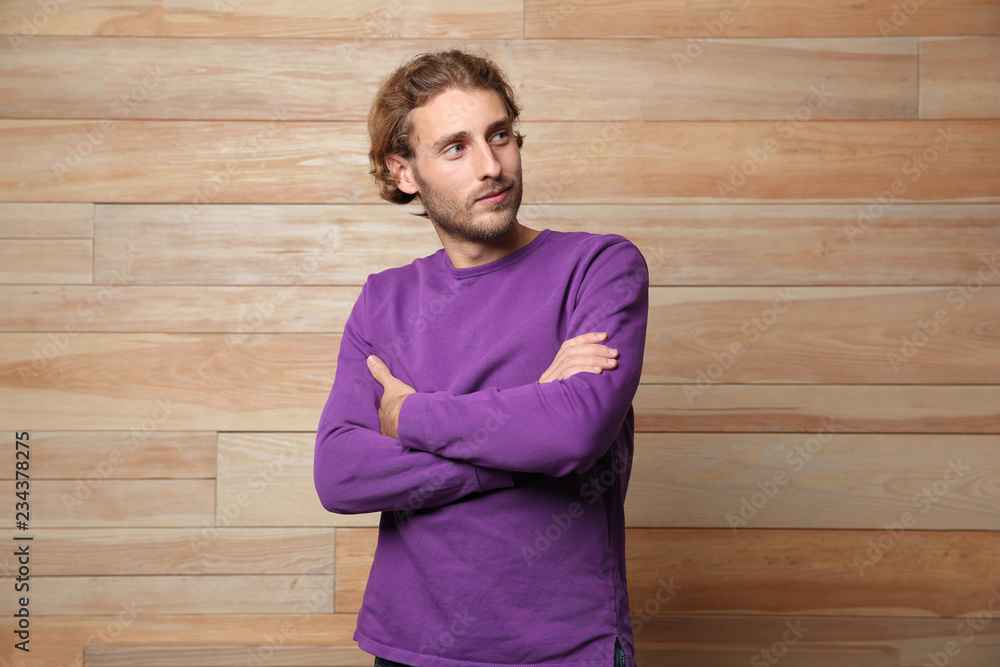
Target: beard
x=460, y=220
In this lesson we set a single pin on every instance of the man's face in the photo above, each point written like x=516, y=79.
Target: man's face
x=463, y=152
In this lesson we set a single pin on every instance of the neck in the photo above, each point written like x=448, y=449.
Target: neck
x=465, y=254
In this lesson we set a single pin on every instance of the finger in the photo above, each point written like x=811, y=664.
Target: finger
x=378, y=370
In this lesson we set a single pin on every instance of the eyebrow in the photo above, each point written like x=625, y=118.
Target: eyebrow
x=498, y=124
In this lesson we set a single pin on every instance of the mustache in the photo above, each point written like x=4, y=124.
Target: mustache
x=495, y=187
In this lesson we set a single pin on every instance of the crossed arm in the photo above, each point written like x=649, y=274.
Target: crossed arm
x=582, y=354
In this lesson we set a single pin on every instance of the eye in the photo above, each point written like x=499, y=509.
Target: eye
x=501, y=136
x=454, y=150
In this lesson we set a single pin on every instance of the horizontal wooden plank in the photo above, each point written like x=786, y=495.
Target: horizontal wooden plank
x=46, y=220
x=204, y=162
x=355, y=554
x=700, y=336
x=64, y=638
x=221, y=79
x=716, y=244
x=792, y=244
x=801, y=408
x=99, y=455
x=96, y=502
x=910, y=640
x=46, y=260
x=960, y=77
x=224, y=656
x=203, y=550
x=205, y=594
x=266, y=479
x=825, y=480
x=707, y=21
x=278, y=245
x=150, y=382
x=236, y=310
x=793, y=572
x=792, y=655
x=356, y=20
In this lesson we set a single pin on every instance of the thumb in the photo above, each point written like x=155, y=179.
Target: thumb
x=378, y=369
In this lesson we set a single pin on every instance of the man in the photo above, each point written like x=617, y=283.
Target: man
x=476, y=404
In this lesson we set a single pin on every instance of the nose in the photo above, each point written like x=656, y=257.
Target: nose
x=487, y=165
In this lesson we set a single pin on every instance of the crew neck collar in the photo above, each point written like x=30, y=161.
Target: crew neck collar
x=495, y=265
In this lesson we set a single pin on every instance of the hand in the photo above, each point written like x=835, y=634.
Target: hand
x=395, y=391
x=583, y=354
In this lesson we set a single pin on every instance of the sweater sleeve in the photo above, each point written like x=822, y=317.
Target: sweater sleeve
x=557, y=427
x=356, y=469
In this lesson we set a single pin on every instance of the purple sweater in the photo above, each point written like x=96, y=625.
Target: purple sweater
x=502, y=535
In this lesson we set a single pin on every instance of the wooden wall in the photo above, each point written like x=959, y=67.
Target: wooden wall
x=186, y=220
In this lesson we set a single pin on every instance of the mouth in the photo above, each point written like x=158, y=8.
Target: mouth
x=495, y=197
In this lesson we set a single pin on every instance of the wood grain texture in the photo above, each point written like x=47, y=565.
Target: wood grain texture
x=355, y=554
x=121, y=455
x=360, y=21
x=717, y=244
x=770, y=18
x=46, y=220
x=814, y=572
x=801, y=408
x=204, y=550
x=701, y=336
x=236, y=310
x=206, y=594
x=235, y=79
x=225, y=656
x=94, y=502
x=908, y=639
x=824, y=480
x=621, y=161
x=256, y=245
x=52, y=261
x=960, y=77
x=65, y=637
x=152, y=382
x=790, y=572
x=793, y=244
x=793, y=656
x=267, y=480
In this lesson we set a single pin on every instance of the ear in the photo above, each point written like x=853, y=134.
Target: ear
x=402, y=171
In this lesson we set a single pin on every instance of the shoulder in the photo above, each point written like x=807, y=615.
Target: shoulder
x=587, y=250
